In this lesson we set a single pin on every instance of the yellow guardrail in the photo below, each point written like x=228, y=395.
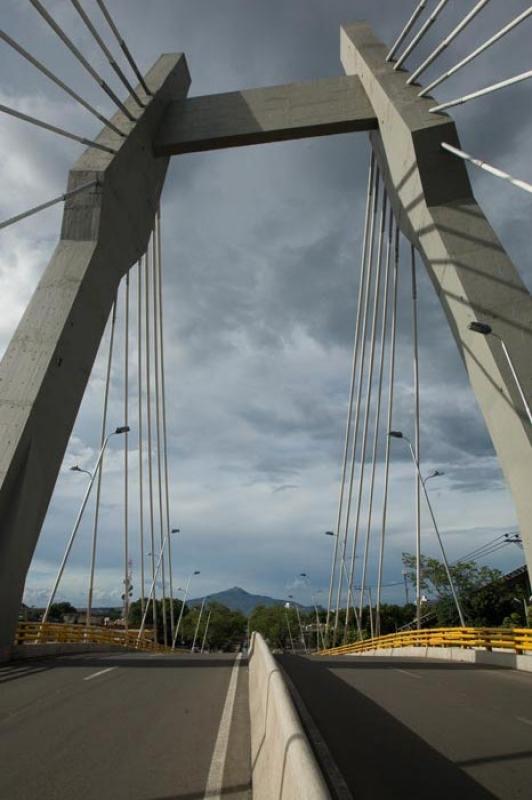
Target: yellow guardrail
x=54, y=633
x=518, y=640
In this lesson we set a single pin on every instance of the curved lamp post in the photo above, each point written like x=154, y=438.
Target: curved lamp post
x=400, y=435
x=116, y=432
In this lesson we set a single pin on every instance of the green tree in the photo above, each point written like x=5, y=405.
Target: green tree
x=485, y=597
x=58, y=610
x=226, y=631
x=135, y=616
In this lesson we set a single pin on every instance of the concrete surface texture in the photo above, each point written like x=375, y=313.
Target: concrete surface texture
x=523, y=663
x=474, y=278
x=47, y=364
x=271, y=114
x=411, y=729
x=127, y=727
x=283, y=764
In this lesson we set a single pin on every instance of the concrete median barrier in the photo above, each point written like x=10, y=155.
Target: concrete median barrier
x=283, y=765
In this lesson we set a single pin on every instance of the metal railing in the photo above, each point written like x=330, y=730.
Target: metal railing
x=518, y=640
x=31, y=633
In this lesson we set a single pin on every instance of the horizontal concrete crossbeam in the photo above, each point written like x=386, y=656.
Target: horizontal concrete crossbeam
x=271, y=114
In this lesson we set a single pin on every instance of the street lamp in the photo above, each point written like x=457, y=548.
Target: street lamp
x=196, y=572
x=318, y=623
x=171, y=584
x=198, y=625
x=486, y=330
x=291, y=597
x=116, y=432
x=400, y=435
x=77, y=468
x=434, y=474
x=349, y=594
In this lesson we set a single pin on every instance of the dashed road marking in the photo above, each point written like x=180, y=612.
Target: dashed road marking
x=95, y=674
x=406, y=672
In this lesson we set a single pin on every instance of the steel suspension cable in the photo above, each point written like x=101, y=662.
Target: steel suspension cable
x=422, y=31
x=356, y=343
x=123, y=46
x=126, y=454
x=494, y=87
x=103, y=47
x=163, y=416
x=149, y=438
x=467, y=60
x=38, y=6
x=391, y=379
x=100, y=472
x=376, y=439
x=417, y=436
x=140, y=432
x=61, y=198
x=477, y=162
x=406, y=30
x=39, y=123
x=156, y=367
x=50, y=75
x=367, y=405
x=448, y=39
x=367, y=272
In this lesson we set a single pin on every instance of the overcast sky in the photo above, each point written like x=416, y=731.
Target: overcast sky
x=261, y=258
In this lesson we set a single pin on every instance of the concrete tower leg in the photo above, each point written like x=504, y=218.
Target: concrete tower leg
x=473, y=276
x=46, y=367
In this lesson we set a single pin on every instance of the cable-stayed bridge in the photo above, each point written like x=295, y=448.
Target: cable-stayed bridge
x=107, y=271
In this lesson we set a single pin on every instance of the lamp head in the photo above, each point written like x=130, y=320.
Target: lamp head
x=123, y=429
x=75, y=468
x=330, y=533
x=197, y=572
x=480, y=327
x=396, y=434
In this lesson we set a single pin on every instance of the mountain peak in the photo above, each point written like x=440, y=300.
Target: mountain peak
x=238, y=599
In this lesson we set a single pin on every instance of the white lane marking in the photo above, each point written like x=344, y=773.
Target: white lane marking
x=95, y=674
x=406, y=672
x=214, y=787
x=526, y=721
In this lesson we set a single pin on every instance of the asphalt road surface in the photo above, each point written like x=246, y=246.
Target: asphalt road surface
x=125, y=727
x=416, y=728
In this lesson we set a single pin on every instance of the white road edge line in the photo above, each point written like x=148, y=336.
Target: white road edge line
x=101, y=672
x=214, y=787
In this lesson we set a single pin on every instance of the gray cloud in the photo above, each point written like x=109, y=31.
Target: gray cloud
x=261, y=250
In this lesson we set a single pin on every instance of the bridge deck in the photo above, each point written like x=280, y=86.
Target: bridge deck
x=127, y=726
x=416, y=728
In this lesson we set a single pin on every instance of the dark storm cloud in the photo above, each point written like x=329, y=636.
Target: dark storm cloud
x=262, y=258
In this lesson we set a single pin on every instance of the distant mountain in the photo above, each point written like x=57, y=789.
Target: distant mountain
x=238, y=599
